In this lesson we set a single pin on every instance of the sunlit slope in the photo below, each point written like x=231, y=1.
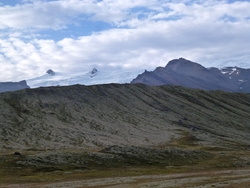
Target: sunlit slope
x=95, y=117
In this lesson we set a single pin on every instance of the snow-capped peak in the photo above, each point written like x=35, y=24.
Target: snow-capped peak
x=50, y=72
x=93, y=73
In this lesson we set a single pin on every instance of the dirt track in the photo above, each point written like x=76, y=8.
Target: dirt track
x=221, y=178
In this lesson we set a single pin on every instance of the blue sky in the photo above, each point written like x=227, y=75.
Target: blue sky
x=78, y=35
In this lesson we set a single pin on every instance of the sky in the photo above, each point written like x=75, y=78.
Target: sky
x=79, y=35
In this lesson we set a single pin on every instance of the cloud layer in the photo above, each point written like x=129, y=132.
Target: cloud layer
x=124, y=34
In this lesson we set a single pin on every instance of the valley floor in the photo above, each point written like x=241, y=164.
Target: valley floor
x=230, y=178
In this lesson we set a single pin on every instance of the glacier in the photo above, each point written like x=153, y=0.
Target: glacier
x=84, y=78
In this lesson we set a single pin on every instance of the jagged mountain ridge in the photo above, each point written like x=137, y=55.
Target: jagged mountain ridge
x=193, y=75
x=92, y=117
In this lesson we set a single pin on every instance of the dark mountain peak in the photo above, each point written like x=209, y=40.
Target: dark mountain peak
x=178, y=61
x=146, y=72
x=189, y=74
x=50, y=72
x=186, y=67
x=215, y=70
x=183, y=65
x=94, y=71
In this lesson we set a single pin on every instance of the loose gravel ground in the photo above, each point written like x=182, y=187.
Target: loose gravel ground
x=205, y=179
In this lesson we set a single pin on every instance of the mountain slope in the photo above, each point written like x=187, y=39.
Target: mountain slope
x=104, y=115
x=192, y=75
x=77, y=132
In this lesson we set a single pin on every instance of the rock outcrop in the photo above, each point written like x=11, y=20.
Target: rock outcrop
x=13, y=86
x=93, y=73
x=50, y=72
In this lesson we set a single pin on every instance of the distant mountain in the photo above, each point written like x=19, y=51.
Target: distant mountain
x=180, y=72
x=12, y=86
x=189, y=74
x=52, y=78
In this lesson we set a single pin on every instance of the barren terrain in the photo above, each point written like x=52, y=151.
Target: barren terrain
x=124, y=136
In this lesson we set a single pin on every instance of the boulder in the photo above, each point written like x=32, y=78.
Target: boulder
x=17, y=153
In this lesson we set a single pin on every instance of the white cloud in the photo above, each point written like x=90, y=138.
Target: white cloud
x=145, y=34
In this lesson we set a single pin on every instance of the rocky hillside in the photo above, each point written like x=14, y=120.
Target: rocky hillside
x=189, y=74
x=75, y=132
x=96, y=117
